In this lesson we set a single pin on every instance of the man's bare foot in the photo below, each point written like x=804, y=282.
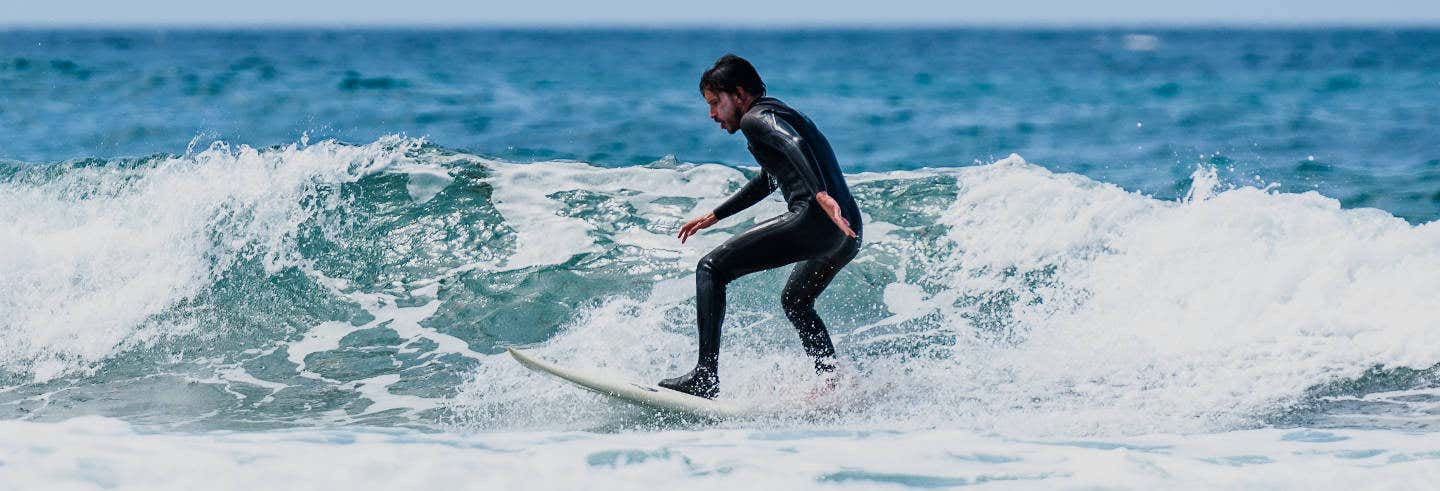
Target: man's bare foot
x=830, y=377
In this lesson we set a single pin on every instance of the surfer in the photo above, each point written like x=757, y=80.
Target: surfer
x=820, y=230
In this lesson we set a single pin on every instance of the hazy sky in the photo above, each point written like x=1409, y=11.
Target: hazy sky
x=717, y=13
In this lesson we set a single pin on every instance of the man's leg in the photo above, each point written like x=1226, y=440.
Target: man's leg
x=771, y=244
x=806, y=283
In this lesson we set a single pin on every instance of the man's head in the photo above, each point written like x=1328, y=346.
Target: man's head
x=730, y=87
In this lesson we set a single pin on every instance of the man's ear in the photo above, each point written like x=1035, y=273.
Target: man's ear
x=744, y=97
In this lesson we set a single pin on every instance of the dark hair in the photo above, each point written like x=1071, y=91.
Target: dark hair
x=729, y=72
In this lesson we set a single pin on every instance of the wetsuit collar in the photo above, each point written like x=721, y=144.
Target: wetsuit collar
x=764, y=99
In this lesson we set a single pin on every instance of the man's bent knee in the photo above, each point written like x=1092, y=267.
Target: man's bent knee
x=709, y=270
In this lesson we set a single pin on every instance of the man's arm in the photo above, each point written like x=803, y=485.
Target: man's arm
x=753, y=191
x=758, y=188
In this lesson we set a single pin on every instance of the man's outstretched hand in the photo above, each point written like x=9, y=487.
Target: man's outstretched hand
x=695, y=225
x=833, y=209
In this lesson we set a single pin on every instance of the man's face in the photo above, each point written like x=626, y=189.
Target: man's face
x=724, y=109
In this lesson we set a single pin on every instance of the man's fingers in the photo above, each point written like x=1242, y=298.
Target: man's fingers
x=844, y=225
x=689, y=227
x=693, y=226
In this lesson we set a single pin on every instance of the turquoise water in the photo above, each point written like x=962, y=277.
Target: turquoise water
x=1194, y=251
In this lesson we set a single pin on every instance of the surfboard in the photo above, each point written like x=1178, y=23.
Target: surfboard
x=644, y=395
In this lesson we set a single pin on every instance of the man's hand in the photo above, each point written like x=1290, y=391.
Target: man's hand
x=695, y=225
x=833, y=209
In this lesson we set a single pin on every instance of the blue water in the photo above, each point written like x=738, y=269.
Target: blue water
x=1191, y=250
x=1348, y=112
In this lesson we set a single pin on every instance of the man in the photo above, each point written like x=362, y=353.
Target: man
x=821, y=230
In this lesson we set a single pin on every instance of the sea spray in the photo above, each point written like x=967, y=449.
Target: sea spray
x=378, y=284
x=97, y=253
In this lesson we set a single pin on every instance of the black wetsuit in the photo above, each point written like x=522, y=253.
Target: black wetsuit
x=794, y=156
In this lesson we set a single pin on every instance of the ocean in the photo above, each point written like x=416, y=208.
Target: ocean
x=1094, y=258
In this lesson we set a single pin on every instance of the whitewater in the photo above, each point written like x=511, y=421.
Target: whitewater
x=325, y=314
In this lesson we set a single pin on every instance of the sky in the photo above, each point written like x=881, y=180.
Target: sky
x=715, y=14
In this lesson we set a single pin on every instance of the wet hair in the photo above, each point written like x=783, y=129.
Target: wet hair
x=729, y=72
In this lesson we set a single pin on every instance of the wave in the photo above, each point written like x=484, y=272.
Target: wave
x=379, y=283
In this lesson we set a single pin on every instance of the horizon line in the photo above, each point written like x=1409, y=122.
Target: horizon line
x=714, y=26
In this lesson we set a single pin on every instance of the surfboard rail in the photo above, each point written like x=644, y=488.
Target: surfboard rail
x=645, y=395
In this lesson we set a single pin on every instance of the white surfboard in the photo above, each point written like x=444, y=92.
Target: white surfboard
x=647, y=395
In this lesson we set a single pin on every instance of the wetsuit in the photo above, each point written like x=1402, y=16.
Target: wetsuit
x=794, y=156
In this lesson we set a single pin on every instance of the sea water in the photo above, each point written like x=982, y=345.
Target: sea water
x=1093, y=258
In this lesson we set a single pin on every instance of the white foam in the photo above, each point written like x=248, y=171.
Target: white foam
x=92, y=255
x=1165, y=316
x=91, y=453
x=423, y=182
x=1054, y=304
x=1141, y=42
x=404, y=321
x=321, y=337
x=545, y=236
x=377, y=390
